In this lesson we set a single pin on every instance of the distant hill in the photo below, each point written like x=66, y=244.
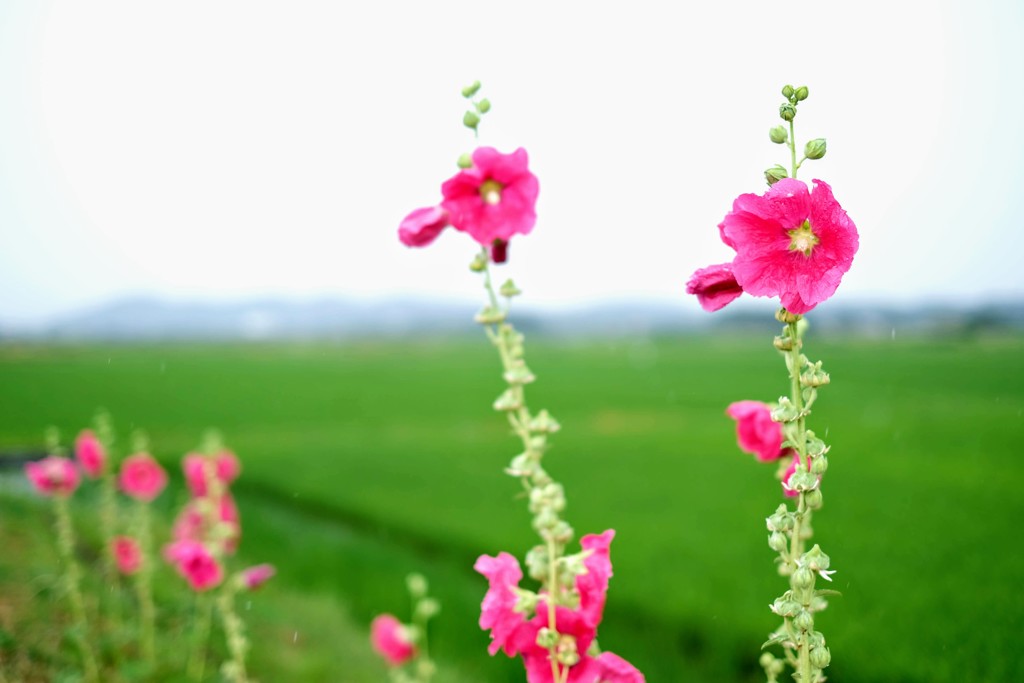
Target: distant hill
x=151, y=319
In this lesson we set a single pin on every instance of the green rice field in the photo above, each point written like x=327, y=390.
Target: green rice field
x=364, y=461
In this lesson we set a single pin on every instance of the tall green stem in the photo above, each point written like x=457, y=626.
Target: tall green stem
x=792, y=149
x=197, y=656
x=72, y=576
x=234, y=630
x=143, y=585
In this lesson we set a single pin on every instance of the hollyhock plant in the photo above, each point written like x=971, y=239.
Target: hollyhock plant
x=794, y=243
x=53, y=476
x=390, y=638
x=756, y=432
x=128, y=554
x=142, y=477
x=90, y=453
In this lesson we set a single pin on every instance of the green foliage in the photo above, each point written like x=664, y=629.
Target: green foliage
x=365, y=461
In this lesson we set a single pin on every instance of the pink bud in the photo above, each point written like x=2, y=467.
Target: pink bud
x=90, y=454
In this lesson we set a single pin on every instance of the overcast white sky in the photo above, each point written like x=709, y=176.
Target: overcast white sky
x=203, y=149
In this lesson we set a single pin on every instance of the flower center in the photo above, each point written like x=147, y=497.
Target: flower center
x=490, y=192
x=803, y=239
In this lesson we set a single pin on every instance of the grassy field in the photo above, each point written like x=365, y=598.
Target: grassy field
x=364, y=461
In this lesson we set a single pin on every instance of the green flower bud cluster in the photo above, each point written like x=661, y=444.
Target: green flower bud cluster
x=471, y=119
x=780, y=135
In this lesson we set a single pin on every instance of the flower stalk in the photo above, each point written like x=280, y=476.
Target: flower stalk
x=234, y=630
x=72, y=578
x=143, y=584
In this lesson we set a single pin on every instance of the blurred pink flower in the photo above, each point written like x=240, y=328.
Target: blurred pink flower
x=127, y=554
x=142, y=477
x=715, y=286
x=53, y=476
x=422, y=226
x=194, y=562
x=254, y=577
x=390, y=639
x=790, y=242
x=226, y=469
x=192, y=525
x=512, y=632
x=493, y=199
x=90, y=453
x=756, y=432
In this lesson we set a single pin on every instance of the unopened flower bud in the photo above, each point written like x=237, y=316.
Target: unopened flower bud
x=562, y=532
x=546, y=638
x=465, y=161
x=417, y=585
x=427, y=608
x=819, y=465
x=784, y=316
x=775, y=174
x=785, y=411
x=778, y=134
x=470, y=120
x=787, y=91
x=815, y=149
x=766, y=660
x=783, y=343
x=519, y=375
x=802, y=579
x=801, y=93
x=784, y=607
x=777, y=541
x=786, y=110
x=804, y=620
x=508, y=401
x=566, y=651
x=820, y=657
x=471, y=90
x=509, y=289
x=544, y=423
x=478, y=264
x=813, y=499
x=815, y=559
x=483, y=106
x=490, y=316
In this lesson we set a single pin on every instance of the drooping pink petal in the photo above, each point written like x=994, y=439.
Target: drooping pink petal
x=422, y=226
x=142, y=477
x=90, y=453
x=53, y=476
x=498, y=613
x=256, y=576
x=756, y=432
x=390, y=639
x=615, y=669
x=593, y=586
x=714, y=286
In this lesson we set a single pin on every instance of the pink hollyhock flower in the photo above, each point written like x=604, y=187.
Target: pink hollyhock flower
x=127, y=554
x=422, y=226
x=53, y=476
x=756, y=432
x=142, y=477
x=90, y=453
x=194, y=562
x=790, y=242
x=390, y=638
x=498, y=611
x=715, y=286
x=512, y=632
x=254, y=577
x=493, y=199
x=226, y=469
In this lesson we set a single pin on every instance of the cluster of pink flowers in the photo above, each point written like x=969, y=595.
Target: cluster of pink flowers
x=791, y=243
x=515, y=631
x=208, y=525
x=762, y=437
x=491, y=201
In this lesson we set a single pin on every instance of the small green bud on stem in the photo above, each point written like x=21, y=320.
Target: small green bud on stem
x=815, y=149
x=778, y=134
x=471, y=120
x=787, y=111
x=471, y=90
x=775, y=174
x=787, y=91
x=483, y=106
x=801, y=93
x=465, y=161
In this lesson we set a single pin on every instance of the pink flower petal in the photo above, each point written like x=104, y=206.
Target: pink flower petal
x=715, y=286
x=756, y=432
x=422, y=226
x=389, y=638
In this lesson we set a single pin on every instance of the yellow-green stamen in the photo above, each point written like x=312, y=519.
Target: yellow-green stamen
x=803, y=239
x=490, y=191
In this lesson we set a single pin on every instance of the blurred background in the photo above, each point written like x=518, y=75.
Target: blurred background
x=198, y=214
